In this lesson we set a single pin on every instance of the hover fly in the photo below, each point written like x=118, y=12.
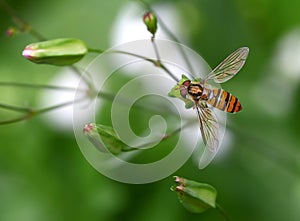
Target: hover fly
x=201, y=95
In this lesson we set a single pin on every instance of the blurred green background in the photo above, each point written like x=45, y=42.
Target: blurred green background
x=44, y=176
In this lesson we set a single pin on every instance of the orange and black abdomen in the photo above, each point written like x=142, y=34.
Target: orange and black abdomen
x=223, y=100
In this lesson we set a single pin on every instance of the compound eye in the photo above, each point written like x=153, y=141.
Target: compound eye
x=183, y=92
x=186, y=83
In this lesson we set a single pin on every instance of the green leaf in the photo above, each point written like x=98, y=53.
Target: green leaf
x=98, y=134
x=175, y=92
x=194, y=196
x=61, y=52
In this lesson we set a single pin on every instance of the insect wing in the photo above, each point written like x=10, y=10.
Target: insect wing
x=229, y=67
x=209, y=127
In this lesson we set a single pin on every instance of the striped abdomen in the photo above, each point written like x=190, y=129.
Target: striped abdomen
x=223, y=100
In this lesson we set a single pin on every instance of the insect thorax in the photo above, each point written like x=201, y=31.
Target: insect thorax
x=195, y=90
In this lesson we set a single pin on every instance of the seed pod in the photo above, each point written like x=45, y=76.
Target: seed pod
x=195, y=197
x=61, y=52
x=105, y=139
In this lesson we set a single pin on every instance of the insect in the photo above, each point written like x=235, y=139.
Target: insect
x=203, y=94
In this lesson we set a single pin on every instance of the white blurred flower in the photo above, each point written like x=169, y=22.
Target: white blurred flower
x=274, y=93
x=287, y=55
x=129, y=25
x=60, y=118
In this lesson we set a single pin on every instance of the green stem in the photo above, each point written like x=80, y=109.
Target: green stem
x=31, y=112
x=15, y=108
x=155, y=49
x=38, y=86
x=94, y=50
x=156, y=63
x=165, y=137
x=170, y=34
x=21, y=23
x=84, y=77
x=15, y=120
x=222, y=212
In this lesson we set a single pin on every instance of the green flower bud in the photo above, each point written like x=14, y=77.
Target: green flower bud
x=151, y=22
x=62, y=51
x=195, y=197
x=102, y=134
x=12, y=31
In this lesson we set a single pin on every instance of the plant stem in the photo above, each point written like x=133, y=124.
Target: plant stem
x=165, y=137
x=156, y=63
x=170, y=34
x=38, y=86
x=30, y=112
x=155, y=49
x=159, y=63
x=21, y=23
x=222, y=212
x=15, y=108
x=95, y=50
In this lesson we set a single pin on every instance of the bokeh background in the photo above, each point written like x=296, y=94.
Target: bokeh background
x=44, y=176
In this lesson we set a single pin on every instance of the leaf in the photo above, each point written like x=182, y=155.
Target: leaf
x=194, y=196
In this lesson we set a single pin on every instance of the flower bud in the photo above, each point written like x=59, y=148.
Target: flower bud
x=151, y=22
x=11, y=31
x=195, y=197
x=61, y=52
x=105, y=139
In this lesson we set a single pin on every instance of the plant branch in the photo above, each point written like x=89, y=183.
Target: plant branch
x=95, y=50
x=170, y=34
x=222, y=212
x=166, y=136
x=155, y=49
x=38, y=86
x=20, y=22
x=30, y=112
x=156, y=63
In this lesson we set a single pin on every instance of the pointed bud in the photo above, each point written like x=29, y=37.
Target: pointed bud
x=151, y=22
x=11, y=31
x=105, y=139
x=61, y=52
x=195, y=197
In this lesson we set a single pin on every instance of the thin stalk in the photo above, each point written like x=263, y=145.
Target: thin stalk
x=20, y=22
x=95, y=50
x=155, y=49
x=159, y=63
x=222, y=212
x=38, y=86
x=14, y=120
x=170, y=34
x=77, y=71
x=30, y=112
x=156, y=63
x=164, y=137
x=15, y=108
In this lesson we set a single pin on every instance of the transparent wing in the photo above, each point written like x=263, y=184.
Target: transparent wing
x=229, y=67
x=209, y=127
